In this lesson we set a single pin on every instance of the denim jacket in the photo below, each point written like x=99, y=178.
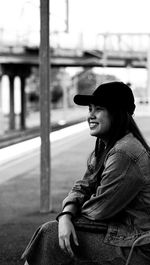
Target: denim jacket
x=120, y=196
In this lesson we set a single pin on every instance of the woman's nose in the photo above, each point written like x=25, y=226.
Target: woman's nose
x=92, y=114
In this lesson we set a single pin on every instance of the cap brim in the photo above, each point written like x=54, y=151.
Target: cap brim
x=84, y=100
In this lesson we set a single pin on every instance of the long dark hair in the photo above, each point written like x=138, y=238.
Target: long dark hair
x=122, y=123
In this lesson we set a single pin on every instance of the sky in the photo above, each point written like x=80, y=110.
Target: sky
x=110, y=15
x=84, y=15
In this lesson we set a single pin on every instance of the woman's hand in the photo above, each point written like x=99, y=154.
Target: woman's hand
x=65, y=232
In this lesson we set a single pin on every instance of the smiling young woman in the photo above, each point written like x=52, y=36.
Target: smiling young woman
x=99, y=120
x=109, y=208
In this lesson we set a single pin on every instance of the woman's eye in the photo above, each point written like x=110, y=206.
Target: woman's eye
x=99, y=108
x=96, y=108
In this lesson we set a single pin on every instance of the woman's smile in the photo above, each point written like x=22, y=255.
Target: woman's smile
x=93, y=125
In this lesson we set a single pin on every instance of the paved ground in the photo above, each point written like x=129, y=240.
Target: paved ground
x=20, y=197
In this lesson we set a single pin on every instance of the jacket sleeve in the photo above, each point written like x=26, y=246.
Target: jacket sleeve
x=82, y=189
x=120, y=183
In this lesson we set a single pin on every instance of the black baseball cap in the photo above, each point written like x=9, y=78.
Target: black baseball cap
x=112, y=95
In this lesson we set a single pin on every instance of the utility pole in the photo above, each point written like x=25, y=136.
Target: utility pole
x=45, y=201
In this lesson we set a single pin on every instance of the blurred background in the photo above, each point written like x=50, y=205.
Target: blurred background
x=91, y=41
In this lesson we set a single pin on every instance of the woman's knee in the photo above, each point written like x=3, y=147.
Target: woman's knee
x=50, y=226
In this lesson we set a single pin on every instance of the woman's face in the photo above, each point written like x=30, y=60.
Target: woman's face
x=99, y=121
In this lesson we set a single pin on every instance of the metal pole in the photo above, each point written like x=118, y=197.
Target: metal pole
x=45, y=201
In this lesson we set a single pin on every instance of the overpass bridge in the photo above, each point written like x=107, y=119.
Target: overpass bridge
x=88, y=58
x=109, y=50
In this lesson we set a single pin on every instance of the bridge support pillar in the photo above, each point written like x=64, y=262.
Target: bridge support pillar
x=0, y=93
x=22, y=71
x=1, y=111
x=23, y=105
x=11, y=110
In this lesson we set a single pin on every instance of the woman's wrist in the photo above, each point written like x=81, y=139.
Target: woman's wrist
x=65, y=213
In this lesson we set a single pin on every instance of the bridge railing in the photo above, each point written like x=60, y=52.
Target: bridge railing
x=128, y=45
x=104, y=42
x=123, y=41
